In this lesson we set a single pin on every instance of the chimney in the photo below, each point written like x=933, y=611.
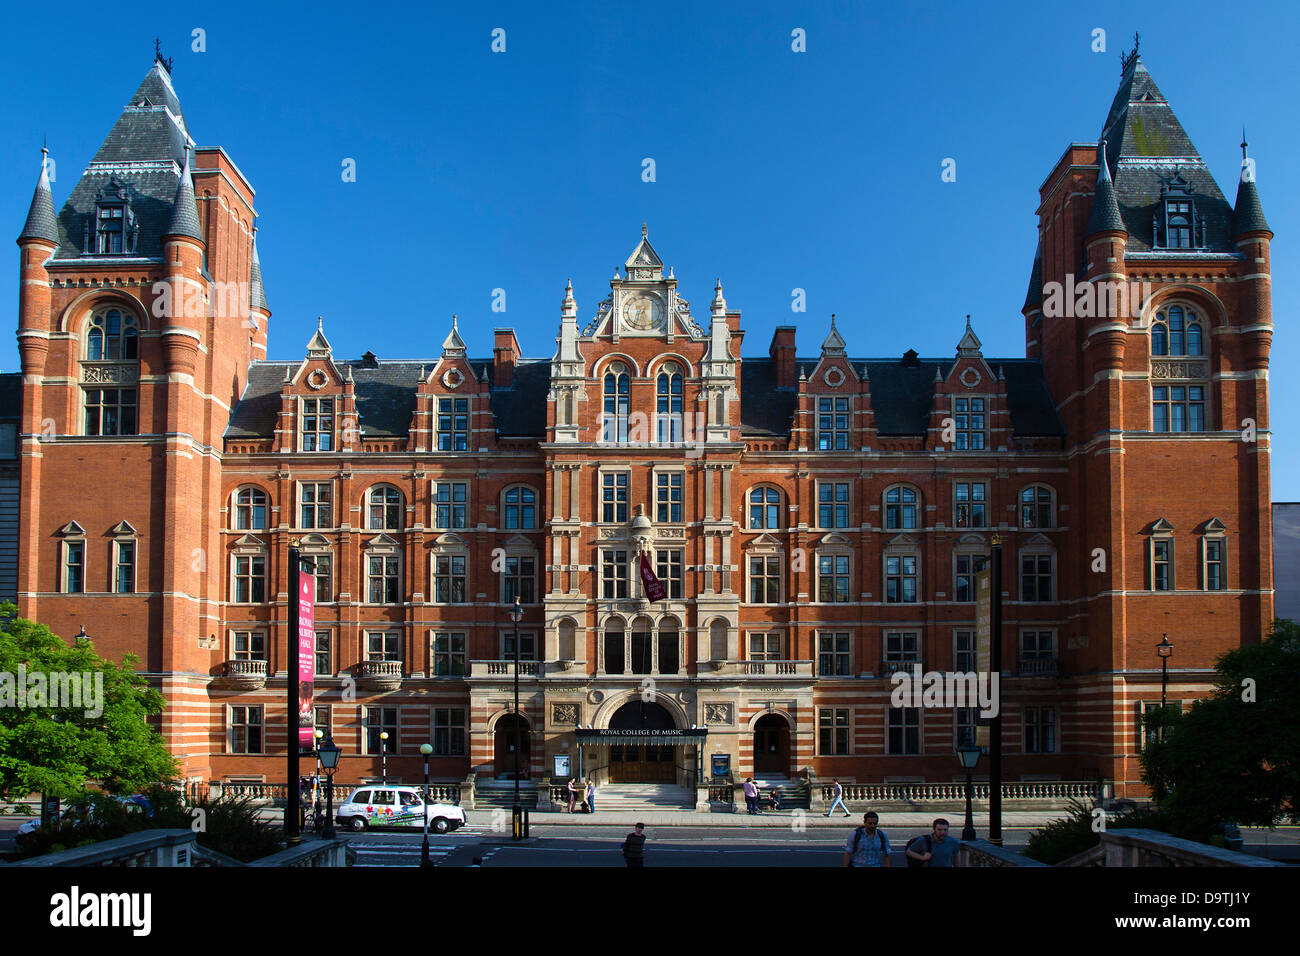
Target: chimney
x=505, y=356
x=782, y=352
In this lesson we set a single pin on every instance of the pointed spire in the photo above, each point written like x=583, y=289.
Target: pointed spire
x=644, y=257
x=185, y=212
x=834, y=344
x=719, y=306
x=1247, y=214
x=453, y=343
x=970, y=343
x=319, y=346
x=41, y=223
x=256, y=294
x=348, y=377
x=1105, y=204
x=569, y=307
x=1034, y=294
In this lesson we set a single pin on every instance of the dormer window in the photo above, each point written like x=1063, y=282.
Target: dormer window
x=115, y=225
x=1177, y=225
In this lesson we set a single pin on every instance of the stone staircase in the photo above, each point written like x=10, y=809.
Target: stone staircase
x=618, y=797
x=501, y=795
x=793, y=794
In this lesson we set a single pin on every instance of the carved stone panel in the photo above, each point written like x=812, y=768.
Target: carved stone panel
x=717, y=713
x=564, y=714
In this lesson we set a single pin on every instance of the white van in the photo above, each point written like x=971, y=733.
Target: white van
x=386, y=805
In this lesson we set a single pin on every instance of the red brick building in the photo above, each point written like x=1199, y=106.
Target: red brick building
x=817, y=520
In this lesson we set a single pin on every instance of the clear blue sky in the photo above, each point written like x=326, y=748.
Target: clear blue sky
x=775, y=170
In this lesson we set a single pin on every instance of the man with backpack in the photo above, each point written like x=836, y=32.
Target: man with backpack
x=935, y=848
x=867, y=845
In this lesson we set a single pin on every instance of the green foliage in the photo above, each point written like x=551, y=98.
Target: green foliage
x=58, y=750
x=1064, y=838
x=1230, y=758
x=229, y=826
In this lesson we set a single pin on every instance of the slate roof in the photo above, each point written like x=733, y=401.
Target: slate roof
x=1105, y=215
x=1248, y=216
x=41, y=223
x=145, y=149
x=901, y=397
x=1145, y=144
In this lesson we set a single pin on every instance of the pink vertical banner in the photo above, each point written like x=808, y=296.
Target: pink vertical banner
x=306, y=659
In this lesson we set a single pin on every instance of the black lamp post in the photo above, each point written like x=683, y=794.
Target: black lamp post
x=425, y=749
x=969, y=755
x=329, y=761
x=1166, y=650
x=516, y=822
x=383, y=755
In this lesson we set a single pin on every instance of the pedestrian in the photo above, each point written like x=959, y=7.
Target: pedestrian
x=591, y=795
x=573, y=793
x=838, y=792
x=776, y=799
x=935, y=848
x=867, y=845
x=478, y=861
x=634, y=847
x=751, y=795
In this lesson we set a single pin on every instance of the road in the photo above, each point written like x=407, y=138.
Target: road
x=687, y=846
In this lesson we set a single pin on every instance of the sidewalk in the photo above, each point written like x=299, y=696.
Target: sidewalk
x=783, y=818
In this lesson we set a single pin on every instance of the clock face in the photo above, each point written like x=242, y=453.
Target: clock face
x=642, y=313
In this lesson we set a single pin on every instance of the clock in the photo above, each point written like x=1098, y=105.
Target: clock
x=642, y=313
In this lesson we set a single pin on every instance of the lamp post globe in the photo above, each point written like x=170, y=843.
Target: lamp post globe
x=329, y=752
x=1165, y=649
x=969, y=755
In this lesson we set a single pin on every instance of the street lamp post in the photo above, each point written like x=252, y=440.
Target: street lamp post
x=969, y=755
x=1166, y=650
x=315, y=783
x=516, y=822
x=328, y=753
x=425, y=749
x=383, y=755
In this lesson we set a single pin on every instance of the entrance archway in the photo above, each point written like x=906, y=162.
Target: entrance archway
x=642, y=763
x=504, y=748
x=771, y=745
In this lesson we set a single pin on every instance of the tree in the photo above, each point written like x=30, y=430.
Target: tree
x=50, y=745
x=1235, y=756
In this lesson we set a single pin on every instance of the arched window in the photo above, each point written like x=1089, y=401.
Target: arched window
x=1177, y=331
x=765, y=509
x=112, y=335
x=520, y=510
x=1179, y=373
x=1036, y=507
x=250, y=510
x=384, y=509
x=900, y=508
x=110, y=394
x=617, y=396
x=668, y=391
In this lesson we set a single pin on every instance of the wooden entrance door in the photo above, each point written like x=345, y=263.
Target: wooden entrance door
x=636, y=763
x=771, y=745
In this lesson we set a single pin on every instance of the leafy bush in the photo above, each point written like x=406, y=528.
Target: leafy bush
x=228, y=826
x=1062, y=839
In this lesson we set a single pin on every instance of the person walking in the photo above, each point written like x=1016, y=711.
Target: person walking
x=867, y=845
x=935, y=848
x=591, y=795
x=634, y=847
x=751, y=795
x=838, y=792
x=573, y=793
